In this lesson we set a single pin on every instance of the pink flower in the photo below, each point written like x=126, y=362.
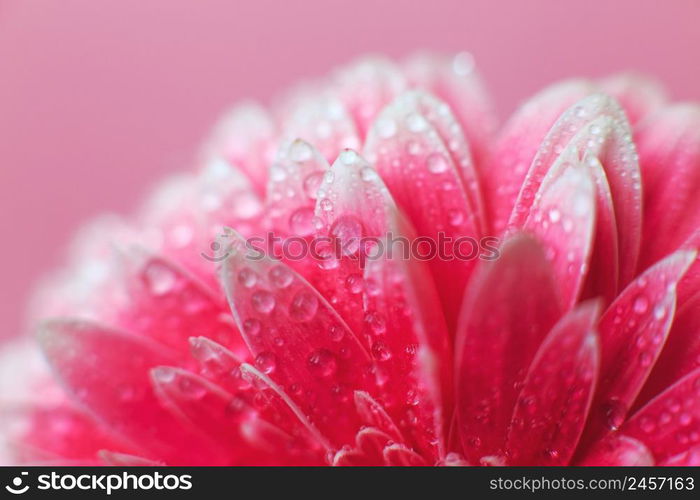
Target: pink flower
x=573, y=340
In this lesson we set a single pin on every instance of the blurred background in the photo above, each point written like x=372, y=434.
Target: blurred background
x=100, y=99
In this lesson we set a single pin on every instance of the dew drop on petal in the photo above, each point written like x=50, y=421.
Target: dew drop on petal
x=437, y=163
x=354, y=283
x=336, y=333
x=311, y=184
x=302, y=221
x=641, y=304
x=375, y=322
x=247, y=277
x=280, y=276
x=159, y=279
x=266, y=362
x=348, y=230
x=659, y=311
x=368, y=174
x=300, y=151
x=322, y=363
x=349, y=157
x=416, y=123
x=455, y=217
x=380, y=351
x=251, y=326
x=263, y=301
x=303, y=306
x=615, y=411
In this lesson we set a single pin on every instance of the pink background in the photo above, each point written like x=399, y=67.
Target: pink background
x=99, y=99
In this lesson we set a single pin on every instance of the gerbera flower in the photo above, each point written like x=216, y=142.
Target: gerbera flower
x=375, y=273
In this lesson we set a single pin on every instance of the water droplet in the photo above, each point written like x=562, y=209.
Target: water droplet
x=251, y=327
x=416, y=123
x=278, y=173
x=247, y=277
x=437, y=163
x=641, y=304
x=312, y=183
x=263, y=301
x=322, y=363
x=349, y=157
x=554, y=215
x=645, y=359
x=354, y=283
x=380, y=351
x=159, y=279
x=685, y=419
x=300, y=151
x=615, y=411
x=266, y=362
x=375, y=322
x=348, y=230
x=659, y=311
x=455, y=217
x=647, y=425
x=413, y=148
x=280, y=276
x=336, y=333
x=191, y=389
x=302, y=221
x=368, y=174
x=326, y=205
x=303, y=306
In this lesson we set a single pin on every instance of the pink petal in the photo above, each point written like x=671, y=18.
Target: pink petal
x=670, y=423
x=403, y=328
x=455, y=81
x=602, y=279
x=419, y=171
x=291, y=331
x=598, y=128
x=168, y=305
x=517, y=144
x=224, y=419
x=107, y=371
x=510, y=306
x=556, y=393
x=681, y=353
x=618, y=450
x=669, y=155
x=55, y=431
x=563, y=219
x=411, y=350
x=633, y=331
